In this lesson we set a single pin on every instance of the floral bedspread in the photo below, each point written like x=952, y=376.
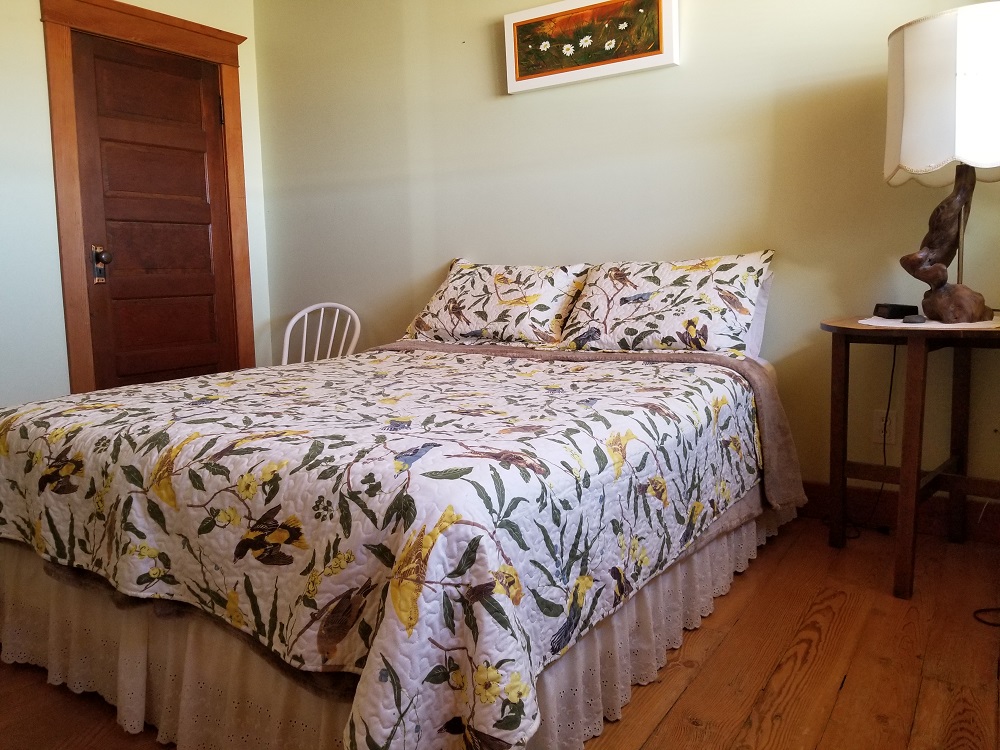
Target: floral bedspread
x=442, y=524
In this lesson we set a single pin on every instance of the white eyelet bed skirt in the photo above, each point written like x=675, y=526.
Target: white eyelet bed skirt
x=206, y=689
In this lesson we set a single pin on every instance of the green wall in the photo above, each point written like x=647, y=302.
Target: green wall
x=32, y=332
x=32, y=335
x=391, y=147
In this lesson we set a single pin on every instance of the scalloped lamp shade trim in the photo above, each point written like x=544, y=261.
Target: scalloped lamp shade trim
x=944, y=96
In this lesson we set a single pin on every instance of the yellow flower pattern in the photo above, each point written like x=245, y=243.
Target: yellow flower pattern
x=515, y=689
x=247, y=486
x=487, y=679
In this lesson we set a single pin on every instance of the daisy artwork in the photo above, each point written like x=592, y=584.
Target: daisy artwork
x=574, y=41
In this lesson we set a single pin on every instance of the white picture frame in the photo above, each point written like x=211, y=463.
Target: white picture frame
x=577, y=40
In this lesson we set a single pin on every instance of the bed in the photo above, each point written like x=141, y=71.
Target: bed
x=452, y=541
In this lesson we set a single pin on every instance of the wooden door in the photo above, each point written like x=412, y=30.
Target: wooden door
x=116, y=20
x=153, y=189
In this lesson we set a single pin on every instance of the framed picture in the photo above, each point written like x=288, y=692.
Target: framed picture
x=575, y=40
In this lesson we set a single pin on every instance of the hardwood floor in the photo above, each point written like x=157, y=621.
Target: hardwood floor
x=808, y=650
x=37, y=716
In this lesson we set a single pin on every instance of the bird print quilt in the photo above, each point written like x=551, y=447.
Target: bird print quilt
x=442, y=523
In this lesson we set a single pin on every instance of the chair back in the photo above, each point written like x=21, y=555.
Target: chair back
x=320, y=331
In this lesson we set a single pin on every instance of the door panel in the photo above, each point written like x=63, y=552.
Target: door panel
x=182, y=360
x=123, y=89
x=153, y=179
x=150, y=172
x=160, y=247
x=149, y=323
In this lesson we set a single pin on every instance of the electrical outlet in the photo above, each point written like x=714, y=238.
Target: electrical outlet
x=887, y=422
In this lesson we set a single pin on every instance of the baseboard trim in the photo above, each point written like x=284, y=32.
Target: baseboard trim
x=867, y=507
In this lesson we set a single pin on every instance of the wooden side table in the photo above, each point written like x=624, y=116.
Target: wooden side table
x=915, y=484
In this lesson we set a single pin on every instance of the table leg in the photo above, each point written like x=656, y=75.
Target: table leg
x=960, y=385
x=839, y=377
x=909, y=470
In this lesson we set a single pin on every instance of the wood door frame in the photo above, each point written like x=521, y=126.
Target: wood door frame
x=128, y=23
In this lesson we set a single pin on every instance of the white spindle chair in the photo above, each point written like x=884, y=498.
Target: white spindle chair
x=329, y=329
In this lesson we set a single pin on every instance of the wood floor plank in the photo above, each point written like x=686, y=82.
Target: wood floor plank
x=740, y=667
x=955, y=717
x=747, y=586
x=35, y=715
x=961, y=651
x=958, y=699
x=24, y=692
x=651, y=702
x=796, y=703
x=876, y=705
x=868, y=563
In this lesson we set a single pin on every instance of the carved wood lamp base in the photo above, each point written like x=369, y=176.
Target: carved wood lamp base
x=956, y=303
x=944, y=302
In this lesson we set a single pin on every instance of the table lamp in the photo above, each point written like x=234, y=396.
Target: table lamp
x=944, y=110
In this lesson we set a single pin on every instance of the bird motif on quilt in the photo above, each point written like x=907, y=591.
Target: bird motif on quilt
x=635, y=299
x=574, y=611
x=161, y=481
x=266, y=537
x=410, y=571
x=398, y=424
x=732, y=301
x=623, y=587
x=506, y=459
x=455, y=309
x=591, y=334
x=620, y=277
x=58, y=476
x=693, y=337
x=341, y=617
x=404, y=460
x=705, y=264
x=545, y=337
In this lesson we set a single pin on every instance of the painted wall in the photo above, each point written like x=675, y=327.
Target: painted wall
x=390, y=147
x=32, y=333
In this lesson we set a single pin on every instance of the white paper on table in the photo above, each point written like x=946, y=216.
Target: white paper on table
x=898, y=323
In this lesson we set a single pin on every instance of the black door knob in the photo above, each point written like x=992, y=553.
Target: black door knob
x=103, y=256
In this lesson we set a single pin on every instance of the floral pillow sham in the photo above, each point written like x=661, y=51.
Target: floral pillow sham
x=706, y=304
x=477, y=302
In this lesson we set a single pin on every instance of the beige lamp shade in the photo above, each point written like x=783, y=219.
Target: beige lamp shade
x=944, y=96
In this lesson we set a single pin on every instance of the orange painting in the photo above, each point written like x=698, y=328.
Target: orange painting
x=592, y=35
